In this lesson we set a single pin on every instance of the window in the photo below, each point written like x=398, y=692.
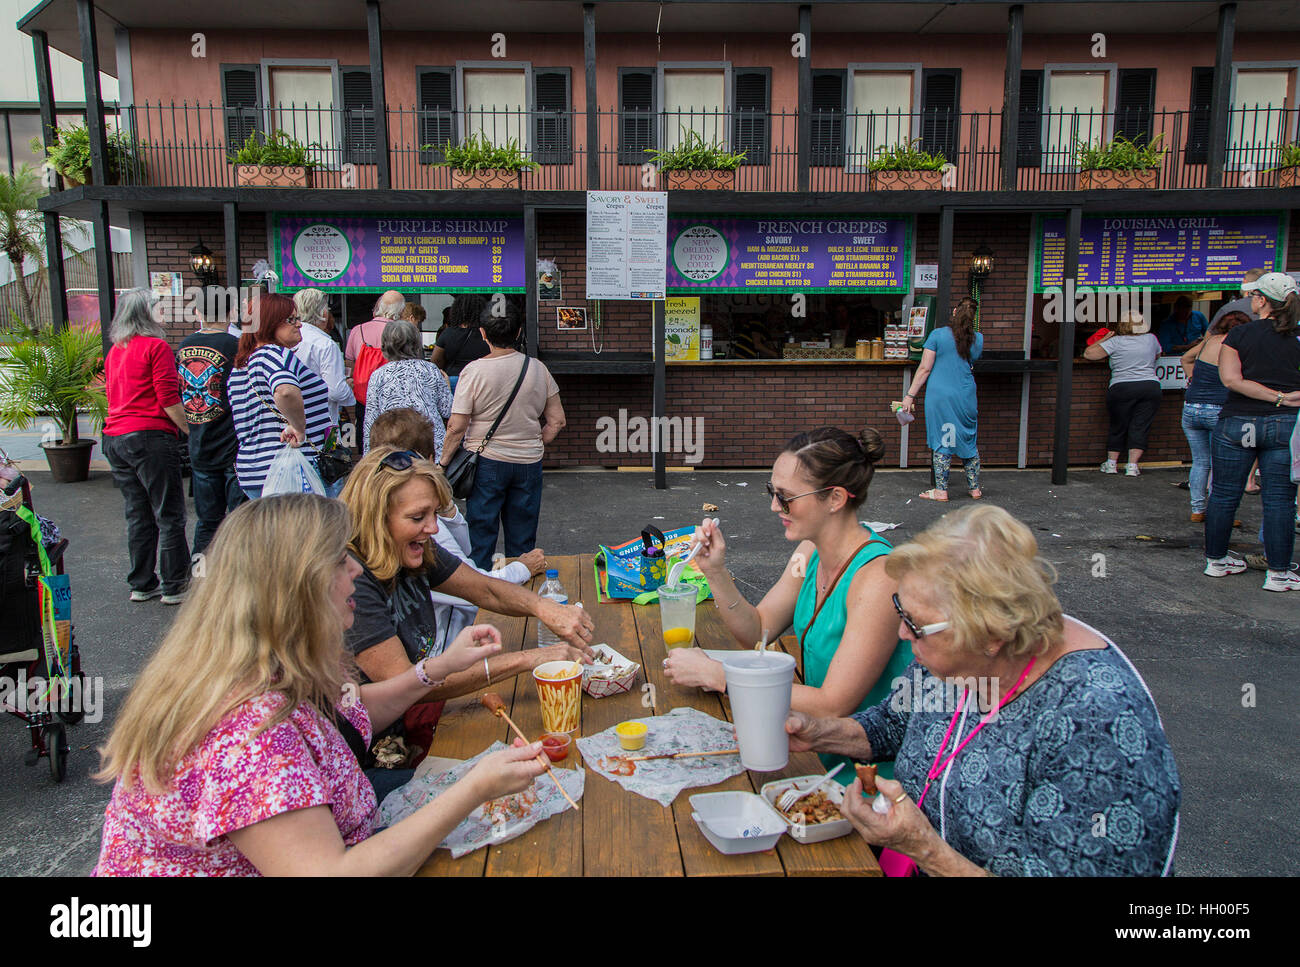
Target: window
x=496, y=105
x=241, y=101
x=1258, y=121
x=881, y=108
x=359, y=142
x=1135, y=105
x=436, y=90
x=1196, y=151
x=301, y=102
x=829, y=103
x=1078, y=102
x=750, y=124
x=636, y=117
x=941, y=111
x=553, y=121
x=22, y=128
x=694, y=100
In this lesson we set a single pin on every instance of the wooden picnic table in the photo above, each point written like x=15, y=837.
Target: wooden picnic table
x=616, y=832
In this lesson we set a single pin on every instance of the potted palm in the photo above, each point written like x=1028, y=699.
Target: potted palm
x=70, y=154
x=478, y=163
x=1120, y=164
x=273, y=161
x=692, y=164
x=906, y=167
x=59, y=374
x=22, y=235
x=1288, y=165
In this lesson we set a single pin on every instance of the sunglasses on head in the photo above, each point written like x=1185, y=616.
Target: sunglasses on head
x=784, y=502
x=922, y=630
x=402, y=460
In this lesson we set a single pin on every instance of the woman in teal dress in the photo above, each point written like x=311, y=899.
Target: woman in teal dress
x=951, y=411
x=834, y=591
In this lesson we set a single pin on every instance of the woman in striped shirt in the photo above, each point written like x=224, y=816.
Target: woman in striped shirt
x=274, y=398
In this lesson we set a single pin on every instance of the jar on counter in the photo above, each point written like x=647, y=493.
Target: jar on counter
x=706, y=342
x=862, y=349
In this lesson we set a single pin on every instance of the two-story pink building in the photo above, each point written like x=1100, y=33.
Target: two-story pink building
x=800, y=246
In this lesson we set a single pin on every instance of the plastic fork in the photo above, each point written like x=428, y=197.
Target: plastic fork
x=675, y=574
x=793, y=794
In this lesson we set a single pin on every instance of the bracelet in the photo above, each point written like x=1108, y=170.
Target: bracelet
x=1278, y=401
x=423, y=675
x=487, y=674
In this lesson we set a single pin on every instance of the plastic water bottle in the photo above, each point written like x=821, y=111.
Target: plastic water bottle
x=554, y=590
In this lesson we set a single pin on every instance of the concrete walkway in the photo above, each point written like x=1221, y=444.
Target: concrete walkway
x=1222, y=657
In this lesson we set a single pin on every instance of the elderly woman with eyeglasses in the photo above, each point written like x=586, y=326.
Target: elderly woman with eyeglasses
x=834, y=590
x=1024, y=742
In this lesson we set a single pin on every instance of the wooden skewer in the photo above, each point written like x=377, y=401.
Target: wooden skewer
x=680, y=755
x=494, y=703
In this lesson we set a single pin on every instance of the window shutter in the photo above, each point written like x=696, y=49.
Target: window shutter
x=436, y=87
x=636, y=119
x=1196, y=151
x=553, y=141
x=358, y=116
x=828, y=107
x=241, y=100
x=1029, y=132
x=751, y=126
x=940, y=111
x=1135, y=104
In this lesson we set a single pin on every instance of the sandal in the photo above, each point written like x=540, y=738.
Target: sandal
x=977, y=494
x=933, y=494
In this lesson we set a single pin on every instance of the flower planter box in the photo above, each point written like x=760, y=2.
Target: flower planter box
x=1112, y=178
x=272, y=176
x=1288, y=177
x=907, y=181
x=485, y=178
x=701, y=180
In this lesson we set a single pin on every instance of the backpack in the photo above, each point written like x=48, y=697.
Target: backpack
x=369, y=359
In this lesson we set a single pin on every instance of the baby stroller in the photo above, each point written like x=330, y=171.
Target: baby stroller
x=30, y=665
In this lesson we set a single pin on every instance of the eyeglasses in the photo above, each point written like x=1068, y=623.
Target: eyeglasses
x=923, y=630
x=784, y=502
x=402, y=460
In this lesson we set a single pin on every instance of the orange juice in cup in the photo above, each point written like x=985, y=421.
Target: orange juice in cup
x=677, y=614
x=559, y=688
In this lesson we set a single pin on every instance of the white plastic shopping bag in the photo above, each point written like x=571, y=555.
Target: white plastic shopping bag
x=292, y=473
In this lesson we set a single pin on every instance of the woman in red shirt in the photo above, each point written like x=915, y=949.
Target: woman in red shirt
x=141, y=444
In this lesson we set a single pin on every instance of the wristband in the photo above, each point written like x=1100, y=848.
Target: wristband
x=423, y=676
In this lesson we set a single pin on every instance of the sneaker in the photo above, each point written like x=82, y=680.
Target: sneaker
x=176, y=598
x=1282, y=581
x=1110, y=467
x=146, y=595
x=1131, y=470
x=1224, y=566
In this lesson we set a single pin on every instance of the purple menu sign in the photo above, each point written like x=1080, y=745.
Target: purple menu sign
x=790, y=253
x=371, y=253
x=1197, y=251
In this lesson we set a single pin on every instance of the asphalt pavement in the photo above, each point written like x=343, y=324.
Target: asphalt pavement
x=1222, y=657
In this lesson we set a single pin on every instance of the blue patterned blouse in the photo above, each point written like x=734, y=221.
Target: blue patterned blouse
x=1073, y=778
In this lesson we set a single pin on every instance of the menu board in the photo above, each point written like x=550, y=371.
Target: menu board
x=626, y=237
x=790, y=253
x=372, y=253
x=1200, y=251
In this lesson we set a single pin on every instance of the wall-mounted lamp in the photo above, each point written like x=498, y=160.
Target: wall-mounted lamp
x=201, y=263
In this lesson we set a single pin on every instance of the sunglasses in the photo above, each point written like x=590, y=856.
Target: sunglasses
x=784, y=502
x=402, y=460
x=922, y=630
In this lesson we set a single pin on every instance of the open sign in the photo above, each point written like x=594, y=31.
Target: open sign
x=1170, y=372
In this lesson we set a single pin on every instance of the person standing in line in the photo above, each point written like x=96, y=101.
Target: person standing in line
x=140, y=442
x=1243, y=305
x=951, y=408
x=320, y=352
x=388, y=308
x=408, y=380
x=459, y=341
x=203, y=361
x=1134, y=392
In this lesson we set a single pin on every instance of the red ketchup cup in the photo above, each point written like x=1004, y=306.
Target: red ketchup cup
x=556, y=746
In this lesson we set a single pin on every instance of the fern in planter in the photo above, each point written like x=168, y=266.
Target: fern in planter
x=1120, y=155
x=70, y=153
x=277, y=150
x=692, y=154
x=1288, y=156
x=477, y=153
x=906, y=156
x=58, y=373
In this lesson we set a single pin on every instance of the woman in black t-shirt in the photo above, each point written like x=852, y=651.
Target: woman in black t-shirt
x=1260, y=365
x=460, y=342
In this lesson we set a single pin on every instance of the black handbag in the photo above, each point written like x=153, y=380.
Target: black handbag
x=463, y=467
x=333, y=462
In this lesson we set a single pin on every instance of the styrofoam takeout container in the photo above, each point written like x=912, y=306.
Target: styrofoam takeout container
x=603, y=687
x=803, y=832
x=737, y=822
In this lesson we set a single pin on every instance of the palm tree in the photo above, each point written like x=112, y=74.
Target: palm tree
x=22, y=230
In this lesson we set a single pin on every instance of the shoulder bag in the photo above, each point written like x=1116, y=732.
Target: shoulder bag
x=464, y=465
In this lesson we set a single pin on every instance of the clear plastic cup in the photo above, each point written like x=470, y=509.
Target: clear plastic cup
x=677, y=614
x=759, y=685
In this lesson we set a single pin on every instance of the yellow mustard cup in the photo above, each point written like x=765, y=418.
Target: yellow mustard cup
x=631, y=735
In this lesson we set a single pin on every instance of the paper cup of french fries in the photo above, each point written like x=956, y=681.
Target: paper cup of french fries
x=559, y=688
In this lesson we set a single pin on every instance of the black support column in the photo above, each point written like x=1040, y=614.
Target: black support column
x=1065, y=349
x=943, y=301
x=593, y=105
x=805, y=100
x=98, y=164
x=530, y=277
x=660, y=402
x=58, y=288
x=383, y=173
x=230, y=221
x=1219, y=101
x=1011, y=96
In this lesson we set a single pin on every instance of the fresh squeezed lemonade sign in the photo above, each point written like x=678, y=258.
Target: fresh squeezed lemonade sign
x=681, y=328
x=321, y=253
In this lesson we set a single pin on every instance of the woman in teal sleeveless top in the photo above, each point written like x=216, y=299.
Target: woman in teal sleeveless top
x=851, y=651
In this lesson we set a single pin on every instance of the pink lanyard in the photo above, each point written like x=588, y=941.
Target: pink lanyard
x=937, y=768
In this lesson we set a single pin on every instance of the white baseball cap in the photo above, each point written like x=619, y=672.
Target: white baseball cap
x=1275, y=285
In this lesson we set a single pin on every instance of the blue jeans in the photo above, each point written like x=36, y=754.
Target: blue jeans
x=505, y=495
x=216, y=493
x=1199, y=421
x=1270, y=437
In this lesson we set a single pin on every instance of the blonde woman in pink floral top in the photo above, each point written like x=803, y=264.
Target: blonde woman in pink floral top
x=235, y=754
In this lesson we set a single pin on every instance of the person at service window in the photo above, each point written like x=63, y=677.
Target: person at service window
x=1182, y=327
x=1133, y=396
